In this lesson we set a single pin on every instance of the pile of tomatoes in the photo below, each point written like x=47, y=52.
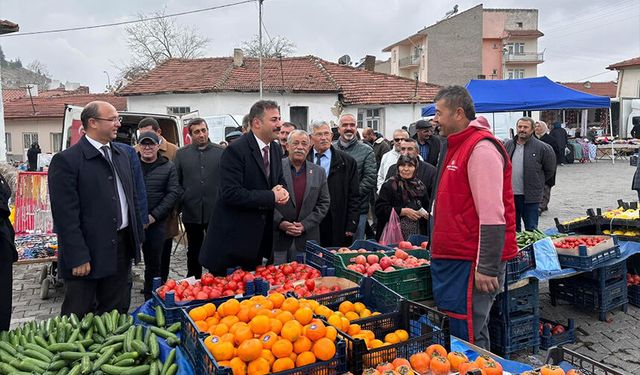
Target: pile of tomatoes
x=208, y=287
x=554, y=329
x=633, y=279
x=574, y=242
x=279, y=275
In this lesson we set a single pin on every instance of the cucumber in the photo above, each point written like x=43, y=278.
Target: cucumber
x=115, y=317
x=153, y=370
x=172, y=370
x=114, y=339
x=62, y=347
x=7, y=369
x=62, y=334
x=40, y=350
x=129, y=336
x=108, y=323
x=140, y=347
x=100, y=326
x=8, y=348
x=168, y=362
x=138, y=370
x=63, y=371
x=154, y=347
x=139, y=333
x=147, y=318
x=74, y=356
x=76, y=370
x=73, y=319
x=122, y=328
x=74, y=335
x=35, y=354
x=125, y=362
x=41, y=342
x=89, y=333
x=85, y=365
x=160, y=316
x=104, y=357
x=132, y=355
x=175, y=327
x=173, y=341
x=57, y=365
x=163, y=333
x=87, y=322
x=116, y=347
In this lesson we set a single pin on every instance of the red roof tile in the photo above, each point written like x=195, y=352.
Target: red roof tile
x=631, y=62
x=292, y=74
x=54, y=106
x=609, y=89
x=524, y=33
x=10, y=94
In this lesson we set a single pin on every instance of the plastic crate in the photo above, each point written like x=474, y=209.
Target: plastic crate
x=548, y=339
x=524, y=299
x=371, y=292
x=585, y=226
x=633, y=293
x=590, y=295
x=411, y=283
x=569, y=359
x=207, y=365
x=514, y=333
x=171, y=308
x=323, y=257
x=610, y=273
x=524, y=261
x=588, y=262
x=425, y=325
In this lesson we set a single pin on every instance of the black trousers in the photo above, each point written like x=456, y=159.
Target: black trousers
x=165, y=259
x=84, y=295
x=152, y=252
x=6, y=285
x=195, y=237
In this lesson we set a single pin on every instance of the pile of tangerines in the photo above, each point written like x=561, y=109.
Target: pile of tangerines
x=266, y=334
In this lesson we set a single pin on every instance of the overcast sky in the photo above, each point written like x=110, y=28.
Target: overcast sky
x=581, y=37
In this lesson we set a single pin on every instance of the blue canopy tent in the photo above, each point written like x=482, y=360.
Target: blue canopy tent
x=528, y=94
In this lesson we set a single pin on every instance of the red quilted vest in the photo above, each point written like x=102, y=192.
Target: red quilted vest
x=456, y=228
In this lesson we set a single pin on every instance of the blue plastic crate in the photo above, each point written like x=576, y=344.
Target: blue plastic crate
x=633, y=292
x=524, y=261
x=548, y=339
x=514, y=333
x=593, y=296
x=566, y=358
x=589, y=262
x=606, y=274
x=523, y=299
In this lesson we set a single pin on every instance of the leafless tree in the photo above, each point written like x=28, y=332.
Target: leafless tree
x=274, y=47
x=41, y=76
x=156, y=39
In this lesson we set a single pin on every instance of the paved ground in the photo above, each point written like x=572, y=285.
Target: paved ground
x=579, y=186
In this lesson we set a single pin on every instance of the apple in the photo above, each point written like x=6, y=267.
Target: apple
x=372, y=259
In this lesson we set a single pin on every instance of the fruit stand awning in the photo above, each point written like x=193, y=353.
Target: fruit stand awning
x=527, y=94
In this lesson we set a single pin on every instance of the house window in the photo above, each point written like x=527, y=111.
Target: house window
x=7, y=141
x=515, y=48
x=178, y=111
x=519, y=24
x=515, y=73
x=28, y=139
x=56, y=142
x=371, y=118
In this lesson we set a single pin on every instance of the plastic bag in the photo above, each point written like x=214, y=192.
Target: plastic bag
x=546, y=255
x=391, y=234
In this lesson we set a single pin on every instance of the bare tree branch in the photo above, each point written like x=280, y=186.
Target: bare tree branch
x=276, y=47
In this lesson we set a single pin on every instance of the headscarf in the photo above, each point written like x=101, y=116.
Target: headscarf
x=543, y=127
x=411, y=188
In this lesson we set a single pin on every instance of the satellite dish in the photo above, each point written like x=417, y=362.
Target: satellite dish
x=344, y=60
x=452, y=11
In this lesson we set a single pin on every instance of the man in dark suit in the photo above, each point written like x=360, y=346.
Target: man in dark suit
x=425, y=173
x=299, y=219
x=251, y=184
x=94, y=208
x=341, y=221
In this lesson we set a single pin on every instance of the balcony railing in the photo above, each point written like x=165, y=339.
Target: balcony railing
x=409, y=61
x=525, y=57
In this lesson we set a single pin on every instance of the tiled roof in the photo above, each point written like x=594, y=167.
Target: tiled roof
x=293, y=74
x=631, y=62
x=10, y=94
x=609, y=89
x=523, y=33
x=54, y=106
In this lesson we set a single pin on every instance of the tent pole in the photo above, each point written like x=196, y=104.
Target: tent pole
x=493, y=123
x=613, y=156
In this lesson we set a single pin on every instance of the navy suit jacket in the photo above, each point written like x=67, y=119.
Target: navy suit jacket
x=241, y=226
x=84, y=208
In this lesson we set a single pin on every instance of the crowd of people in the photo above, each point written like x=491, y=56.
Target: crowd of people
x=273, y=187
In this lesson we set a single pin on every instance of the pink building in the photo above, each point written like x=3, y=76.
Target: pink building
x=477, y=43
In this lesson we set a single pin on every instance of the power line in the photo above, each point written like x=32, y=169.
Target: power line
x=595, y=75
x=127, y=22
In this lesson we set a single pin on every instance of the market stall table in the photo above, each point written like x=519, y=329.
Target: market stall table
x=619, y=151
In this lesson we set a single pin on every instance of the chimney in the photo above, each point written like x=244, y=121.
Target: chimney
x=32, y=89
x=369, y=63
x=238, y=57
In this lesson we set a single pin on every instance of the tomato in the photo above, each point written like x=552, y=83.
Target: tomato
x=214, y=293
x=170, y=284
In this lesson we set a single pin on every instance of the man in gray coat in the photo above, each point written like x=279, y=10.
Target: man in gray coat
x=299, y=219
x=198, y=167
x=366, y=160
x=533, y=165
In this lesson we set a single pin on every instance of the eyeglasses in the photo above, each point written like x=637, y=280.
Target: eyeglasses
x=147, y=145
x=399, y=139
x=113, y=120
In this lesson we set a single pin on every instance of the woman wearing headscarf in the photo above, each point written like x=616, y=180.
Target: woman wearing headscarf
x=408, y=196
x=542, y=133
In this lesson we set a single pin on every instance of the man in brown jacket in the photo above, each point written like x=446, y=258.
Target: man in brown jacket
x=168, y=150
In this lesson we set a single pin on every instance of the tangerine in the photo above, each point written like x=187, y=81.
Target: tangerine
x=402, y=334
x=354, y=329
x=284, y=316
x=358, y=307
x=238, y=366
x=291, y=330
x=198, y=313
x=352, y=315
x=275, y=325
x=282, y=348
x=258, y=366
x=242, y=334
x=392, y=338
x=231, y=307
x=324, y=349
x=315, y=330
x=302, y=344
x=229, y=320
x=260, y=324
x=201, y=325
x=227, y=337
x=304, y=315
x=250, y=350
x=243, y=314
x=266, y=354
x=210, y=308
x=305, y=358
x=346, y=307
x=290, y=304
x=221, y=350
x=276, y=299
x=332, y=333
x=268, y=339
x=283, y=364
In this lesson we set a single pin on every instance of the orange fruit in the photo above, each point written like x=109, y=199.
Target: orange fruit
x=358, y=307
x=302, y=344
x=242, y=334
x=282, y=364
x=324, y=349
x=352, y=315
x=234, y=328
x=210, y=308
x=368, y=334
x=345, y=323
x=250, y=350
x=392, y=338
x=354, y=329
x=238, y=366
x=305, y=358
x=198, y=313
x=260, y=324
x=243, y=314
x=290, y=304
x=227, y=337
x=284, y=316
x=229, y=320
x=282, y=348
x=375, y=343
x=291, y=330
x=212, y=321
x=332, y=333
x=275, y=325
x=268, y=339
x=365, y=313
x=201, y=325
x=230, y=307
x=304, y=315
x=276, y=299
x=316, y=330
x=258, y=366
x=346, y=307
x=266, y=354
x=224, y=363
x=402, y=334
x=221, y=350
x=293, y=356
x=323, y=311
x=335, y=320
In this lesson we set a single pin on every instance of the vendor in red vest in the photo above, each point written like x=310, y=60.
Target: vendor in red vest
x=473, y=217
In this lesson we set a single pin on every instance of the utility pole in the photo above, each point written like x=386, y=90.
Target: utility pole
x=260, y=42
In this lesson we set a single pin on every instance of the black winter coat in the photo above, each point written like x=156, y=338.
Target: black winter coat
x=163, y=189
x=561, y=137
x=539, y=167
x=8, y=252
x=435, y=144
x=426, y=173
x=548, y=139
x=389, y=199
